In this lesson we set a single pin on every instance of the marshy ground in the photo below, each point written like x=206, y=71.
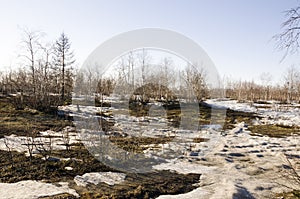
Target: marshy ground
x=16, y=166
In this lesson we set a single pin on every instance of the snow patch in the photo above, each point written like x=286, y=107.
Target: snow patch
x=231, y=104
x=95, y=178
x=49, y=139
x=184, y=167
x=31, y=189
x=196, y=193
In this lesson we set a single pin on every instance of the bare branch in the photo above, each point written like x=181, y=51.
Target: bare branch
x=288, y=39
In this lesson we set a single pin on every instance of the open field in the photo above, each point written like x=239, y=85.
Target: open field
x=253, y=155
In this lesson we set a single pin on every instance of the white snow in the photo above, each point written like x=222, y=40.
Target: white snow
x=287, y=117
x=195, y=194
x=272, y=112
x=184, y=167
x=31, y=189
x=231, y=104
x=229, y=161
x=69, y=168
x=233, y=158
x=55, y=140
x=239, y=160
x=110, y=178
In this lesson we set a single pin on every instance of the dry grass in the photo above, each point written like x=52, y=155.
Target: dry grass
x=21, y=122
x=273, y=130
x=138, y=144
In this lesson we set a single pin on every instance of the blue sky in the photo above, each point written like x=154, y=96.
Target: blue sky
x=236, y=34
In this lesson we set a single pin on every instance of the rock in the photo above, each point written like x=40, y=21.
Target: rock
x=52, y=159
x=264, y=143
x=286, y=166
x=236, y=154
x=229, y=160
x=203, y=159
x=224, y=150
x=194, y=153
x=238, y=131
x=254, y=151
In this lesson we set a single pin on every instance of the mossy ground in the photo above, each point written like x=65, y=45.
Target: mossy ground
x=136, y=185
x=20, y=122
x=21, y=167
x=273, y=130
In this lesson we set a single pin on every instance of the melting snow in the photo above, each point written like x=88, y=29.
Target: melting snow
x=231, y=104
x=271, y=113
x=57, y=140
x=109, y=178
x=239, y=163
x=227, y=162
x=33, y=189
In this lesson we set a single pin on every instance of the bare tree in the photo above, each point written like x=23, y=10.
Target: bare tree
x=196, y=80
x=79, y=86
x=126, y=67
x=66, y=139
x=164, y=76
x=18, y=81
x=144, y=60
x=288, y=39
x=31, y=46
x=64, y=59
x=291, y=80
x=44, y=147
x=266, y=79
x=9, y=145
x=30, y=144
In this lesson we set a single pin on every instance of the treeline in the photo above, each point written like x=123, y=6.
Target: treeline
x=163, y=83
x=44, y=79
x=251, y=91
x=286, y=92
x=136, y=77
x=47, y=79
